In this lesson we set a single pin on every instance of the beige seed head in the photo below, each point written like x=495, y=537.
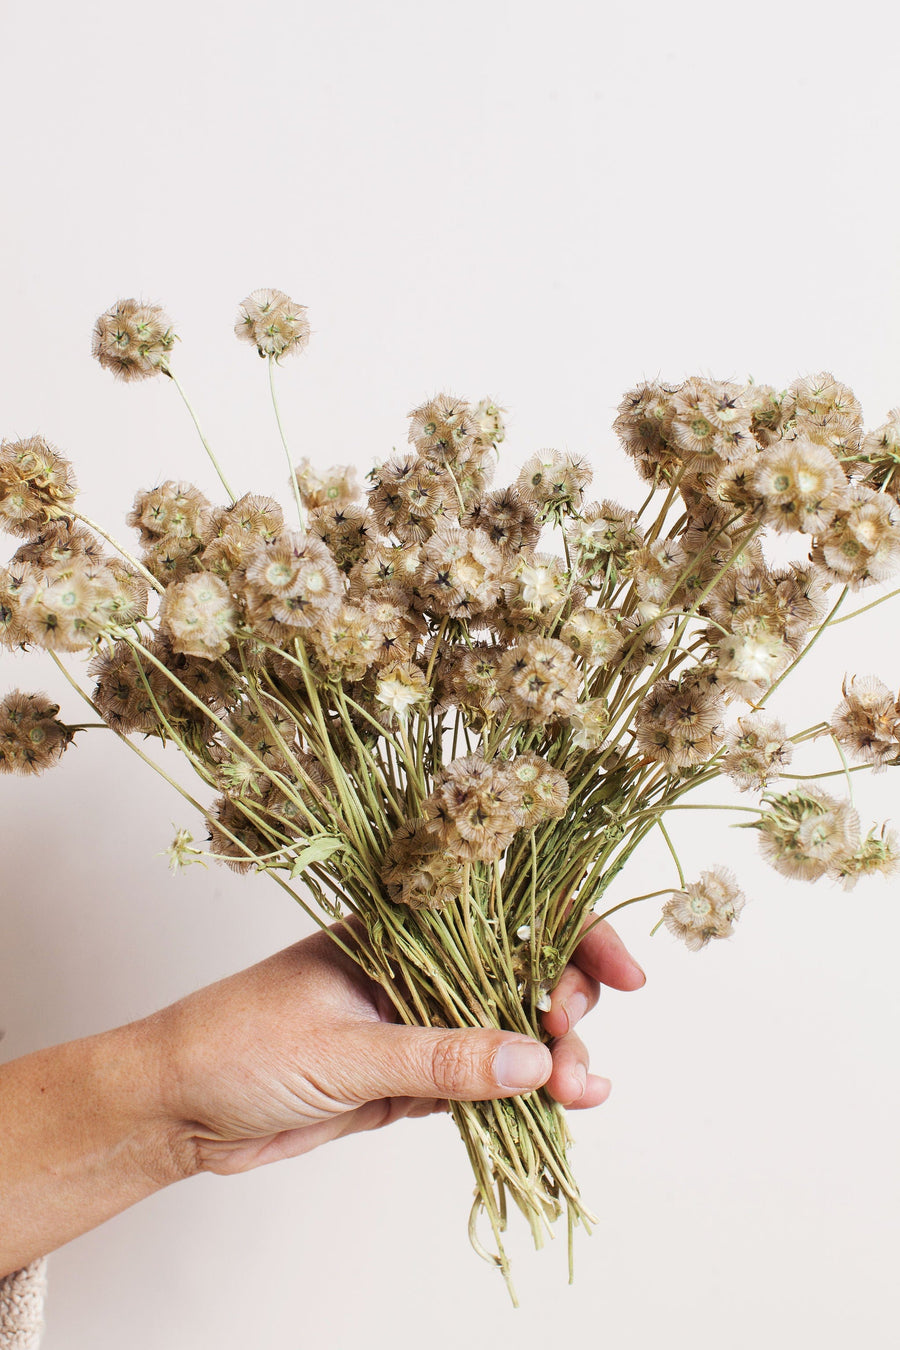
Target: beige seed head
x=32, y=738
x=508, y=521
x=346, y=643
x=589, y=723
x=543, y=791
x=133, y=340
x=878, y=853
x=861, y=546
x=539, y=680
x=200, y=616
x=473, y=810
x=807, y=833
x=418, y=872
x=445, y=429
x=867, y=721
x=595, y=635
x=273, y=323
x=332, y=487
x=37, y=486
x=756, y=751
x=554, y=483
x=750, y=660
x=705, y=909
x=489, y=417
x=644, y=426
x=801, y=484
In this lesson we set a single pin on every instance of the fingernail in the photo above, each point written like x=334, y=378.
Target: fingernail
x=579, y=1073
x=640, y=970
x=521, y=1064
x=576, y=1007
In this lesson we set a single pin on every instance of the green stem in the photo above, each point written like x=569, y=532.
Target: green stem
x=293, y=472
x=158, y=769
x=846, y=767
x=671, y=847
x=690, y=806
x=148, y=576
x=845, y=618
x=167, y=370
x=459, y=497
x=274, y=777
x=831, y=773
x=635, y=899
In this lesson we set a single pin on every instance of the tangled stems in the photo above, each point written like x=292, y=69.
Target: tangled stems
x=303, y=690
x=449, y=968
x=455, y=967
x=466, y=965
x=578, y=864
x=160, y=771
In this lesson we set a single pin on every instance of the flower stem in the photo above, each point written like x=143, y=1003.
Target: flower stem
x=831, y=773
x=665, y=834
x=845, y=618
x=148, y=576
x=206, y=445
x=846, y=767
x=293, y=472
x=650, y=895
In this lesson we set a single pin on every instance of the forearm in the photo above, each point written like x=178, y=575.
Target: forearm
x=82, y=1136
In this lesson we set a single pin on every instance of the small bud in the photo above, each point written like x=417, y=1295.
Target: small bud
x=180, y=852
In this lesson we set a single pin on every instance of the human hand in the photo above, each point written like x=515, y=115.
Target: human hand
x=304, y=1048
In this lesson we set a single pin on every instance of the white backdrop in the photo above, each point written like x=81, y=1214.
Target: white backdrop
x=543, y=203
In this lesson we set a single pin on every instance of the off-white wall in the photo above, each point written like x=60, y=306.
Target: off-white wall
x=544, y=203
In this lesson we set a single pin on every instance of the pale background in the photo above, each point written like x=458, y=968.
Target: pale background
x=544, y=203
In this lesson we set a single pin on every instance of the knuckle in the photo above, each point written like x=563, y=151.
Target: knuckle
x=452, y=1066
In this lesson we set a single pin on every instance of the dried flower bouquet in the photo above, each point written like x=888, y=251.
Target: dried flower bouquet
x=448, y=732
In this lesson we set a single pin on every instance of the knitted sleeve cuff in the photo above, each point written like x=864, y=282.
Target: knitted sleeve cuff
x=22, y=1306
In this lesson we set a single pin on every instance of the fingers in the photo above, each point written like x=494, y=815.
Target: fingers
x=600, y=958
x=574, y=996
x=424, y=1064
x=570, y=1082
x=597, y=957
x=390, y=1060
x=228, y=1157
x=603, y=956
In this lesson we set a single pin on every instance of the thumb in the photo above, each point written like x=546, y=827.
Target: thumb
x=465, y=1065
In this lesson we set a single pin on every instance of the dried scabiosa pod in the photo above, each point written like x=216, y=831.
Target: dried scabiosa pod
x=273, y=322
x=32, y=738
x=133, y=340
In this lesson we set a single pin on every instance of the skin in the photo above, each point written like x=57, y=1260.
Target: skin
x=266, y=1064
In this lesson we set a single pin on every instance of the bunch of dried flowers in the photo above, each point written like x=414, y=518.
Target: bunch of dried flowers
x=447, y=729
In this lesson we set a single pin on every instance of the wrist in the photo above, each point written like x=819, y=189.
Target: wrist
x=132, y=1077
x=161, y=1136
x=85, y=1135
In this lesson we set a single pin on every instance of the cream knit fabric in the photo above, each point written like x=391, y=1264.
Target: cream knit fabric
x=21, y=1307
